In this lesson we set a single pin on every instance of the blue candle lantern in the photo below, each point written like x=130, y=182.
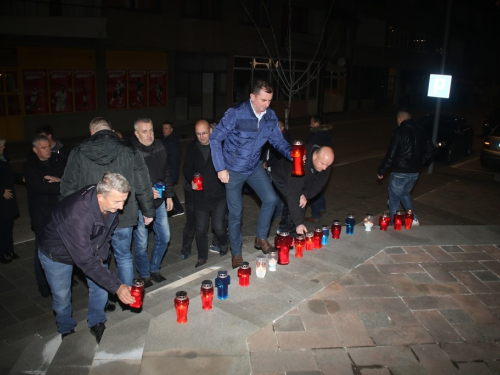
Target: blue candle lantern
x=326, y=233
x=159, y=186
x=222, y=282
x=349, y=224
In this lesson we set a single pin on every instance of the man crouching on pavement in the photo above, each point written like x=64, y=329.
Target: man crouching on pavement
x=79, y=233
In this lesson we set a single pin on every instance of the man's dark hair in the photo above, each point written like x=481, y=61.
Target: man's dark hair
x=38, y=138
x=404, y=112
x=318, y=119
x=167, y=122
x=45, y=129
x=262, y=85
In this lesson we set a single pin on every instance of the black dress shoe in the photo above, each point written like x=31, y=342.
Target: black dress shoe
x=13, y=255
x=5, y=260
x=223, y=250
x=110, y=307
x=63, y=335
x=98, y=331
x=147, y=282
x=157, y=277
x=200, y=262
x=44, y=291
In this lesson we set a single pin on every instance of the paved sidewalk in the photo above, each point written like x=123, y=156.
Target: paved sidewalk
x=407, y=310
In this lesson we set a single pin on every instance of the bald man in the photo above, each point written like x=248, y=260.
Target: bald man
x=298, y=190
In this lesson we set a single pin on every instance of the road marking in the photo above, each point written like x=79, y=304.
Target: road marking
x=20, y=242
x=184, y=280
x=464, y=162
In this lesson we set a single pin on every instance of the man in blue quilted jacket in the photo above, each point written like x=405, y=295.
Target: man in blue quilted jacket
x=236, y=145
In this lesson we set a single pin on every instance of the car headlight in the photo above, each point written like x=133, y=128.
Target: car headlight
x=441, y=144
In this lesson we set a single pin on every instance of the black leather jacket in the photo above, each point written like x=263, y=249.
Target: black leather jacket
x=409, y=149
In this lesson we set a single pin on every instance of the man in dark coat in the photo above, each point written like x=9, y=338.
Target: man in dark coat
x=58, y=150
x=298, y=190
x=172, y=144
x=410, y=148
x=8, y=208
x=158, y=166
x=42, y=174
x=79, y=233
x=320, y=135
x=104, y=151
x=211, y=200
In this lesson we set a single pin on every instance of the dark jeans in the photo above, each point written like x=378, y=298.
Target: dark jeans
x=286, y=223
x=189, y=227
x=6, y=237
x=218, y=211
x=318, y=204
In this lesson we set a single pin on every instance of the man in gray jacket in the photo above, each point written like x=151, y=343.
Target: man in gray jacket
x=103, y=152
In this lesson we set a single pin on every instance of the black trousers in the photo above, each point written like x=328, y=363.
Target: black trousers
x=218, y=211
x=189, y=227
x=6, y=237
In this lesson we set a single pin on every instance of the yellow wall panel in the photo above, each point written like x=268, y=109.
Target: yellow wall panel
x=12, y=128
x=55, y=58
x=136, y=60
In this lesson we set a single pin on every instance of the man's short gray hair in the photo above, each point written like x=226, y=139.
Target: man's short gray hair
x=145, y=120
x=39, y=138
x=112, y=181
x=99, y=123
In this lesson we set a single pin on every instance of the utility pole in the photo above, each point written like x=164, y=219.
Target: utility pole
x=443, y=63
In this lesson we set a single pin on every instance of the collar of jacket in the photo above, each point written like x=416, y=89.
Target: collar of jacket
x=321, y=128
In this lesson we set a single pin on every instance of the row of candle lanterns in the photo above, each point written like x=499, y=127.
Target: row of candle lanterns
x=283, y=242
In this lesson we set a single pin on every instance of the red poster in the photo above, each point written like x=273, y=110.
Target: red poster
x=35, y=92
x=85, y=97
x=157, y=87
x=61, y=90
x=116, y=89
x=137, y=93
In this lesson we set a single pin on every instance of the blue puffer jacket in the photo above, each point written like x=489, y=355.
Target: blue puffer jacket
x=243, y=139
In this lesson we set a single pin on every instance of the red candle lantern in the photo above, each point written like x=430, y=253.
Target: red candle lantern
x=309, y=241
x=297, y=153
x=318, y=234
x=244, y=273
x=207, y=294
x=284, y=249
x=198, y=180
x=384, y=221
x=299, y=246
x=181, y=302
x=409, y=219
x=336, y=229
x=137, y=291
x=398, y=220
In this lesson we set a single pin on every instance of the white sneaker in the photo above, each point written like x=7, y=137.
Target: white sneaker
x=416, y=223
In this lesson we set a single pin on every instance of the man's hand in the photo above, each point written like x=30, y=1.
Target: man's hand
x=147, y=220
x=301, y=229
x=264, y=165
x=380, y=177
x=156, y=193
x=223, y=176
x=170, y=204
x=194, y=186
x=302, y=201
x=7, y=194
x=51, y=179
x=123, y=293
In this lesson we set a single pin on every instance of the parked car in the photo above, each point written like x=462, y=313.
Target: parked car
x=490, y=154
x=491, y=121
x=455, y=136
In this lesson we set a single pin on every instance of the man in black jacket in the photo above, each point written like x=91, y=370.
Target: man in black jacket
x=156, y=160
x=211, y=200
x=104, y=151
x=298, y=190
x=78, y=233
x=43, y=176
x=172, y=144
x=409, y=149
